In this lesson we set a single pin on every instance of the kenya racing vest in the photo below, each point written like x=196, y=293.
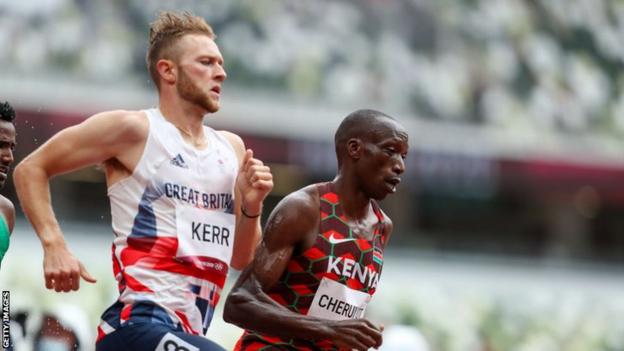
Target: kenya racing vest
x=334, y=279
x=173, y=223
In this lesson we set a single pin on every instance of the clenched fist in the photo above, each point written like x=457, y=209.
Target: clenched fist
x=254, y=182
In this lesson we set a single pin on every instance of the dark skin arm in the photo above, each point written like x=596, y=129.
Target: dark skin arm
x=292, y=225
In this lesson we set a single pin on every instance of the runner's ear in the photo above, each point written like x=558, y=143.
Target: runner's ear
x=354, y=148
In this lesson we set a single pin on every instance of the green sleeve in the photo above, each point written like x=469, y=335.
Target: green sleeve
x=4, y=237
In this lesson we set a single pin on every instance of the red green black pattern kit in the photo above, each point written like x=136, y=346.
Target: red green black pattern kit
x=334, y=279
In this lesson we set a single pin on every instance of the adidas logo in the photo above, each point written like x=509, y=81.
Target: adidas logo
x=179, y=161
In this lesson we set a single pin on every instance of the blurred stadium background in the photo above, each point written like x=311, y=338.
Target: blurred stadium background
x=509, y=223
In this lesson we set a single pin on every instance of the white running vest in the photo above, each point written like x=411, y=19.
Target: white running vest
x=173, y=223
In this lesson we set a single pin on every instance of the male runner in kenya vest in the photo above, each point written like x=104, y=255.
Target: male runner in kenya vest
x=322, y=252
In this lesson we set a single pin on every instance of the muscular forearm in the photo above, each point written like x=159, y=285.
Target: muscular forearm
x=256, y=311
x=33, y=189
x=247, y=236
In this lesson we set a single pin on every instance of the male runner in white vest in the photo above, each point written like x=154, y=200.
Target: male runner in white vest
x=185, y=199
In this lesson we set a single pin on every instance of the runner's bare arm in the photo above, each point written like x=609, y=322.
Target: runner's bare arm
x=99, y=138
x=294, y=219
x=253, y=184
x=8, y=211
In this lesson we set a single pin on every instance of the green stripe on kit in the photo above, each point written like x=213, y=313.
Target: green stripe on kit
x=4, y=237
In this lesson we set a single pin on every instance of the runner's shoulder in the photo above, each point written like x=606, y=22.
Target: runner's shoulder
x=294, y=218
x=8, y=211
x=235, y=140
x=129, y=124
x=6, y=206
x=301, y=205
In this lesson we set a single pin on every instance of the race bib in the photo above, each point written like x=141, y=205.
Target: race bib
x=204, y=233
x=170, y=342
x=337, y=301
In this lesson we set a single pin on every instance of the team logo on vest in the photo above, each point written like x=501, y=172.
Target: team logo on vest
x=350, y=268
x=377, y=255
x=179, y=162
x=333, y=240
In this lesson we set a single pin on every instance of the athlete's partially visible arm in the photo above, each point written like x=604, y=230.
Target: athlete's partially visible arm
x=294, y=219
x=99, y=138
x=253, y=184
x=8, y=216
x=8, y=212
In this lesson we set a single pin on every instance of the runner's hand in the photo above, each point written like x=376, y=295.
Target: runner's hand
x=254, y=182
x=354, y=334
x=62, y=270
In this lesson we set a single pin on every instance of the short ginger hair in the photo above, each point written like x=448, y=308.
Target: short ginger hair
x=165, y=31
